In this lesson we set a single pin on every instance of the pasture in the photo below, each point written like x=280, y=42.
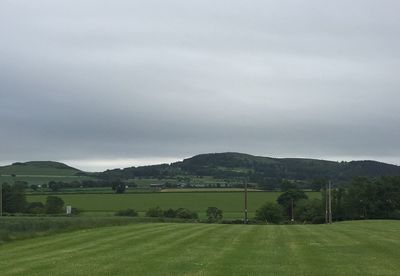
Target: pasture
x=42, y=179
x=230, y=202
x=347, y=248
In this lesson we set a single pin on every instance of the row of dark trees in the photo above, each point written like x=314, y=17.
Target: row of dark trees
x=362, y=199
x=213, y=213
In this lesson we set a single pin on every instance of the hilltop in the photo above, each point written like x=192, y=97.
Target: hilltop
x=47, y=168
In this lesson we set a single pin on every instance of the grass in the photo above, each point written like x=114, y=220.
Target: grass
x=192, y=190
x=15, y=228
x=230, y=202
x=349, y=248
x=42, y=179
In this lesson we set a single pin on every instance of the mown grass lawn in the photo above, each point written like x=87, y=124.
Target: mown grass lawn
x=349, y=248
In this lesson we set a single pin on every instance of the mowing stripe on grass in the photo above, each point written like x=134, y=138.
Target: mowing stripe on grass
x=350, y=248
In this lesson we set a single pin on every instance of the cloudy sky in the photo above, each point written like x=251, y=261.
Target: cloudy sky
x=103, y=84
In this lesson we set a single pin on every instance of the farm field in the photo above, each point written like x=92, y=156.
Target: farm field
x=347, y=248
x=230, y=202
x=42, y=179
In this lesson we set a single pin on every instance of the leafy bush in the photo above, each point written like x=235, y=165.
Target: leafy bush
x=214, y=214
x=35, y=208
x=54, y=205
x=270, y=213
x=170, y=213
x=180, y=213
x=310, y=211
x=155, y=212
x=183, y=213
x=127, y=213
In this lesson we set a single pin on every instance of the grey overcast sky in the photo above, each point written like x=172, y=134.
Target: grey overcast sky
x=104, y=84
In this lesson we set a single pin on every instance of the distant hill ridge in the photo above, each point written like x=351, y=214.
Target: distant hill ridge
x=226, y=165
x=38, y=168
x=260, y=169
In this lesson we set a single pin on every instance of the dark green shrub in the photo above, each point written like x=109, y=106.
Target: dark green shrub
x=54, y=205
x=170, y=213
x=155, y=212
x=35, y=208
x=127, y=213
x=270, y=213
x=183, y=213
x=214, y=214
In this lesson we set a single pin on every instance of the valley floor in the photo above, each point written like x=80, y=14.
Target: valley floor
x=348, y=248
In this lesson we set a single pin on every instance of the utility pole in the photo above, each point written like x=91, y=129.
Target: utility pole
x=292, y=211
x=326, y=203
x=330, y=202
x=245, y=201
x=1, y=199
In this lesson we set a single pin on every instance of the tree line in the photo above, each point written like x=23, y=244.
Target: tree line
x=362, y=199
x=13, y=200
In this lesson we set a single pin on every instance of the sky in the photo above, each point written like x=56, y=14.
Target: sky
x=107, y=84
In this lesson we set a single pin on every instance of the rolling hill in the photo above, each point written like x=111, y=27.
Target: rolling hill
x=265, y=171
x=260, y=169
x=39, y=168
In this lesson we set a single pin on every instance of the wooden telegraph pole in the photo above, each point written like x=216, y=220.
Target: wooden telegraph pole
x=292, y=210
x=326, y=203
x=330, y=202
x=1, y=199
x=245, y=202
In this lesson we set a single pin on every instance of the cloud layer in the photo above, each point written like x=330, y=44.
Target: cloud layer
x=97, y=81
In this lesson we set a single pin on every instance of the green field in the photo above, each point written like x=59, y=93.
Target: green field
x=42, y=179
x=230, y=202
x=349, y=248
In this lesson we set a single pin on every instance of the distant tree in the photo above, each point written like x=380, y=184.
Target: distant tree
x=270, y=212
x=155, y=212
x=54, y=186
x=34, y=187
x=310, y=211
x=318, y=184
x=186, y=214
x=291, y=196
x=170, y=213
x=54, y=205
x=287, y=185
x=118, y=186
x=13, y=198
x=214, y=214
x=35, y=208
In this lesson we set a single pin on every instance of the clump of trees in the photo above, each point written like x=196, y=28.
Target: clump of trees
x=118, y=186
x=13, y=198
x=363, y=198
x=14, y=201
x=270, y=212
x=368, y=199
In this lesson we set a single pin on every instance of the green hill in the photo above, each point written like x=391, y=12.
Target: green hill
x=235, y=164
x=47, y=168
x=261, y=170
